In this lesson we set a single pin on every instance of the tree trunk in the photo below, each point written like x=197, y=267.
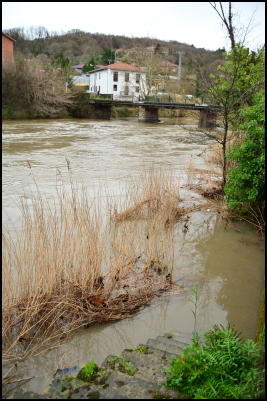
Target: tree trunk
x=224, y=172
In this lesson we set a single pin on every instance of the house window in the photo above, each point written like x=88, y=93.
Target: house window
x=115, y=88
x=127, y=77
x=137, y=89
x=126, y=90
x=115, y=76
x=137, y=78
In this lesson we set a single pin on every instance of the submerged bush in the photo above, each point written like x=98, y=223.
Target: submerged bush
x=222, y=367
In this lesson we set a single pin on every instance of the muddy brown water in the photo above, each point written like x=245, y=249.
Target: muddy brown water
x=226, y=263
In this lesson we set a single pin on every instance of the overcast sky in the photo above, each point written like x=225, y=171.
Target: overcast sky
x=186, y=22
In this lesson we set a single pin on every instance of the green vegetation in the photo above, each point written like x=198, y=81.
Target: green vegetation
x=88, y=372
x=169, y=335
x=122, y=365
x=233, y=88
x=245, y=182
x=90, y=65
x=108, y=56
x=143, y=349
x=261, y=321
x=221, y=367
x=194, y=299
x=92, y=97
x=157, y=395
x=123, y=112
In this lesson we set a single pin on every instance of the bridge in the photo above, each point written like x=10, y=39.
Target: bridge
x=149, y=111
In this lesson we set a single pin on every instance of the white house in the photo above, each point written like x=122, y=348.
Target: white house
x=119, y=81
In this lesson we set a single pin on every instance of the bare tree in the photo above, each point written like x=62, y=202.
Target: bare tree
x=236, y=35
x=36, y=88
x=156, y=70
x=239, y=78
x=227, y=20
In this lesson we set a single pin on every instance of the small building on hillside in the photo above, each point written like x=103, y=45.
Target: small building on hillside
x=171, y=69
x=81, y=82
x=7, y=50
x=119, y=81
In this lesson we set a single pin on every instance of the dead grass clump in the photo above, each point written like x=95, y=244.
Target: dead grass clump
x=215, y=155
x=155, y=193
x=207, y=183
x=213, y=193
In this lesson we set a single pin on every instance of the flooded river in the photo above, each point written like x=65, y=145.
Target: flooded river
x=226, y=263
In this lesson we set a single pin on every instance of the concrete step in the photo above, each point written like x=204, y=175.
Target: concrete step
x=131, y=387
x=122, y=386
x=152, y=357
x=172, y=341
x=170, y=349
x=136, y=374
x=150, y=365
x=181, y=336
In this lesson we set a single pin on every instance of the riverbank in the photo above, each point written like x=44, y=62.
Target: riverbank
x=201, y=245
x=165, y=367
x=79, y=108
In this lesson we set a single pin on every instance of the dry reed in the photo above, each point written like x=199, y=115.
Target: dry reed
x=156, y=193
x=206, y=182
x=64, y=269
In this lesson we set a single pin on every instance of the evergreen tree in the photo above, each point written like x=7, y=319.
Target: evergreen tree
x=90, y=65
x=108, y=56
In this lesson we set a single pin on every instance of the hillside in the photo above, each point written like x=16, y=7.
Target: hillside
x=80, y=46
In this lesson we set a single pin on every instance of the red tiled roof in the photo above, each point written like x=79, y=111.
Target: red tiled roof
x=9, y=37
x=121, y=67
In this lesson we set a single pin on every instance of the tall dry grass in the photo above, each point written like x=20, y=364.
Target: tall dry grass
x=200, y=179
x=155, y=193
x=56, y=253
x=65, y=268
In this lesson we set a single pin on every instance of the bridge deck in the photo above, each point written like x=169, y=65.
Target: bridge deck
x=156, y=105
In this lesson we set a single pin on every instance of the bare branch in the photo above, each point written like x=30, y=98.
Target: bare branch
x=228, y=23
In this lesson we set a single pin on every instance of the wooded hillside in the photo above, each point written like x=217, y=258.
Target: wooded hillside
x=80, y=46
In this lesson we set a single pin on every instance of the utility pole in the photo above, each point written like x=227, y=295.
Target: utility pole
x=179, y=75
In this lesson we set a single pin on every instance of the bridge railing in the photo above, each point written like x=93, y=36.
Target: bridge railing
x=159, y=99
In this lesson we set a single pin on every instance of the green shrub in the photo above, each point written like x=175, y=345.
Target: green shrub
x=222, y=366
x=143, y=349
x=246, y=181
x=122, y=365
x=122, y=111
x=88, y=372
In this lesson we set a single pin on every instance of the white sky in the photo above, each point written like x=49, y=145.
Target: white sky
x=187, y=22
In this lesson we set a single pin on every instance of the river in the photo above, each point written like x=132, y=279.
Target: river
x=226, y=263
